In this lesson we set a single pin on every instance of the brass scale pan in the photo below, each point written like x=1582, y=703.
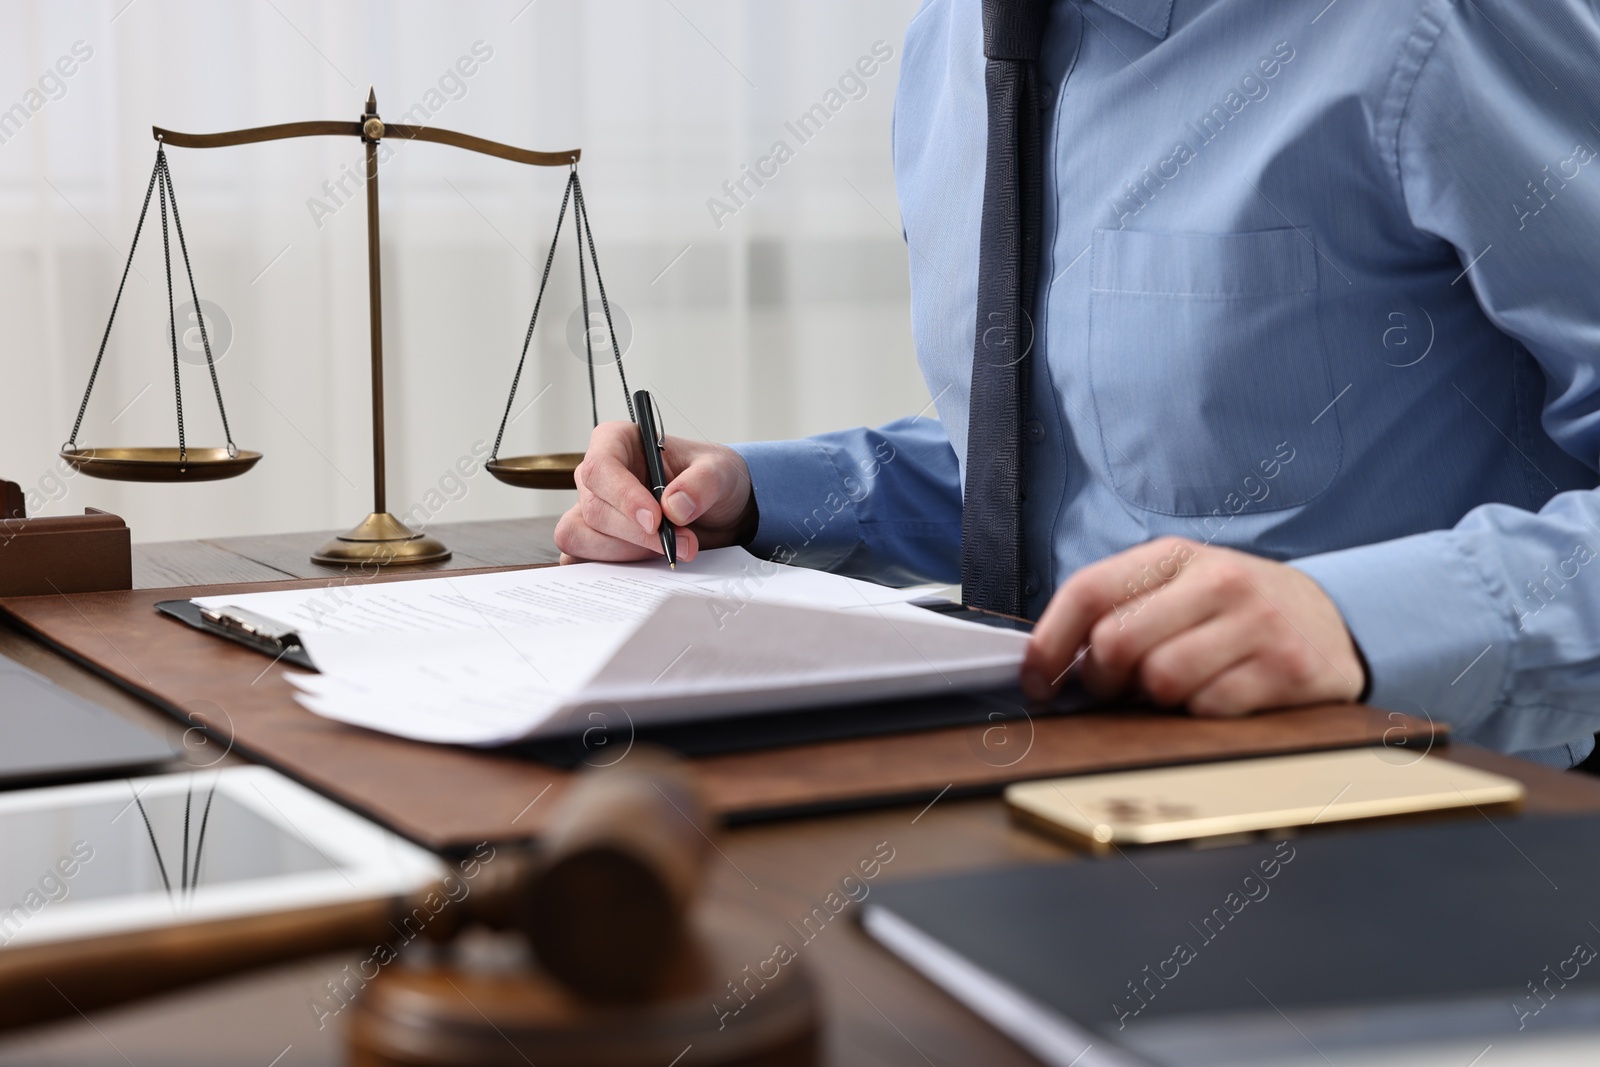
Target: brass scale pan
x=160, y=464
x=552, y=471
x=184, y=464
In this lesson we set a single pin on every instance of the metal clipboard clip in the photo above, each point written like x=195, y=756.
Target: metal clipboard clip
x=246, y=627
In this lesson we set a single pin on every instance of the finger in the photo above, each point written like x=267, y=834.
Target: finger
x=601, y=516
x=688, y=544
x=1094, y=590
x=635, y=518
x=699, y=487
x=593, y=546
x=613, y=470
x=1124, y=636
x=1239, y=690
x=1178, y=668
x=617, y=441
x=579, y=542
x=576, y=538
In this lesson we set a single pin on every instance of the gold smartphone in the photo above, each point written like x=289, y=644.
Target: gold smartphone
x=1241, y=796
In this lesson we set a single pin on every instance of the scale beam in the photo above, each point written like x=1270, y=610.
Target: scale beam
x=481, y=145
x=335, y=128
x=229, y=138
x=381, y=538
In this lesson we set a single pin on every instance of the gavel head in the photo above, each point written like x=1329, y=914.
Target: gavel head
x=626, y=967
x=606, y=907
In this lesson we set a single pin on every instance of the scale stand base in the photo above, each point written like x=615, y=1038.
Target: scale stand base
x=381, y=540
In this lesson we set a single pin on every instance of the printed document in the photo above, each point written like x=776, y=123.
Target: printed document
x=488, y=659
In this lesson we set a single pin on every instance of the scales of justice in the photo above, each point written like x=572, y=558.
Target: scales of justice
x=380, y=539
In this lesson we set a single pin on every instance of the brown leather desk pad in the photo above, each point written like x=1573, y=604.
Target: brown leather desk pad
x=448, y=798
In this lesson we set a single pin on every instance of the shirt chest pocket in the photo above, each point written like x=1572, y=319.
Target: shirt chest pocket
x=1210, y=383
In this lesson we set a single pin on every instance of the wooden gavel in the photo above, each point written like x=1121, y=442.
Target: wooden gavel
x=605, y=905
x=624, y=859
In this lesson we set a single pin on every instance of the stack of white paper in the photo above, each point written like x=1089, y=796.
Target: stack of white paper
x=491, y=658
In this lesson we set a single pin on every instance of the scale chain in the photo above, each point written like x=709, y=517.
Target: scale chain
x=194, y=295
x=544, y=280
x=100, y=355
x=583, y=295
x=584, y=233
x=581, y=214
x=172, y=315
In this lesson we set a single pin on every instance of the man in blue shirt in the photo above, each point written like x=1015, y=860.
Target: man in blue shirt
x=1313, y=381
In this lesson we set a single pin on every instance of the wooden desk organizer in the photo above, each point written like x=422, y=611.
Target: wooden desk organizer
x=85, y=553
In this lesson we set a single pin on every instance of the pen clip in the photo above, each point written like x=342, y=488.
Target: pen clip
x=660, y=425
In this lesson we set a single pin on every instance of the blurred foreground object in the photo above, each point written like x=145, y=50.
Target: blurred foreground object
x=1213, y=800
x=622, y=969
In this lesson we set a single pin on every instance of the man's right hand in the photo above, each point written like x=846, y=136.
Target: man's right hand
x=708, y=498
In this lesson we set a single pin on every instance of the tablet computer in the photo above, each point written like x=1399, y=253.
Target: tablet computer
x=48, y=734
x=109, y=858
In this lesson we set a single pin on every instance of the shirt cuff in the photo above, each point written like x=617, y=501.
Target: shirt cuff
x=805, y=514
x=1562, y=757
x=1437, y=644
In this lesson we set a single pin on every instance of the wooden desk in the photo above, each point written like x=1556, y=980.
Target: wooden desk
x=770, y=875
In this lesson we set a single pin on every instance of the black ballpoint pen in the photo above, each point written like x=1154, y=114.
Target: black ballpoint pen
x=655, y=467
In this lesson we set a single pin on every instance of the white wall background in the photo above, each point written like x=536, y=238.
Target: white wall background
x=791, y=318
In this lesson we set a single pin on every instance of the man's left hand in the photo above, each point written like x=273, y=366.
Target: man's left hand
x=1181, y=623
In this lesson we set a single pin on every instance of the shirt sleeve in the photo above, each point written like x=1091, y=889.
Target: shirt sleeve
x=1494, y=626
x=883, y=504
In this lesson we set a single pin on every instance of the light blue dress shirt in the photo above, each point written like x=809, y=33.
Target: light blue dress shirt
x=1321, y=281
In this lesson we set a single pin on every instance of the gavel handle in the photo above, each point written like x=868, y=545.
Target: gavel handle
x=47, y=980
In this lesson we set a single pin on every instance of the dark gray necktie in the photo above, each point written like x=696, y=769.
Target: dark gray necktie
x=991, y=516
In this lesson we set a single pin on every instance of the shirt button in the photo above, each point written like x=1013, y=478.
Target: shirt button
x=1030, y=584
x=1035, y=431
x=1046, y=92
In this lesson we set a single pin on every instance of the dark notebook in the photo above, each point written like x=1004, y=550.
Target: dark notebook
x=50, y=735
x=1467, y=931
